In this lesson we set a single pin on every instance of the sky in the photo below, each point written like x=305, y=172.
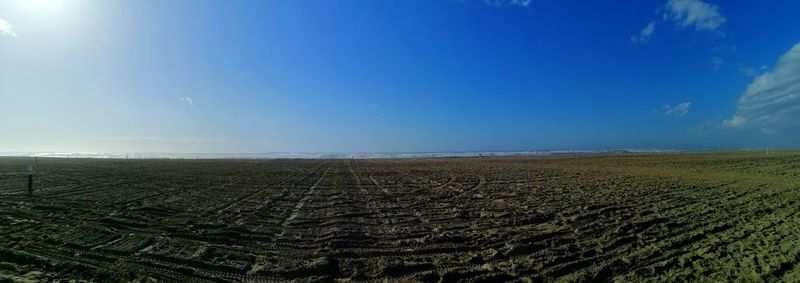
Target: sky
x=238, y=76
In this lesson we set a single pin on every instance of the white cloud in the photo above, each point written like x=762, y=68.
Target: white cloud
x=735, y=121
x=676, y=111
x=687, y=13
x=644, y=34
x=187, y=100
x=6, y=28
x=523, y=3
x=772, y=100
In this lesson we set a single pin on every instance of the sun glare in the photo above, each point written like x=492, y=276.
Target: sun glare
x=48, y=10
x=44, y=6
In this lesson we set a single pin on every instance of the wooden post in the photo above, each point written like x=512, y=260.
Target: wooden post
x=30, y=184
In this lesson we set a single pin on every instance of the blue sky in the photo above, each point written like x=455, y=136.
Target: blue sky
x=397, y=76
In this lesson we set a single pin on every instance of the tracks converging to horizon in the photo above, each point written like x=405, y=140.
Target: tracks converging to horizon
x=629, y=217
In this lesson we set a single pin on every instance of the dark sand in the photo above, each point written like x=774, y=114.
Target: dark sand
x=657, y=217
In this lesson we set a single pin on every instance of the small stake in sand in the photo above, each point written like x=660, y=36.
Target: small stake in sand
x=30, y=184
x=30, y=179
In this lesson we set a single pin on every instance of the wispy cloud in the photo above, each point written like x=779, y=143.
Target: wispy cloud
x=747, y=71
x=750, y=71
x=694, y=13
x=734, y=122
x=676, y=111
x=683, y=14
x=706, y=127
x=7, y=28
x=772, y=100
x=644, y=35
x=187, y=100
x=717, y=62
x=523, y=3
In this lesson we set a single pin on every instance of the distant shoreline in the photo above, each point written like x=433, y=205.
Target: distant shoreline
x=399, y=155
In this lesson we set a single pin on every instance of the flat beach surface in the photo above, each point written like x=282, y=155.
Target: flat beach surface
x=632, y=217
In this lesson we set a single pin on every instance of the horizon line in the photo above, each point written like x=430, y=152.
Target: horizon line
x=362, y=155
